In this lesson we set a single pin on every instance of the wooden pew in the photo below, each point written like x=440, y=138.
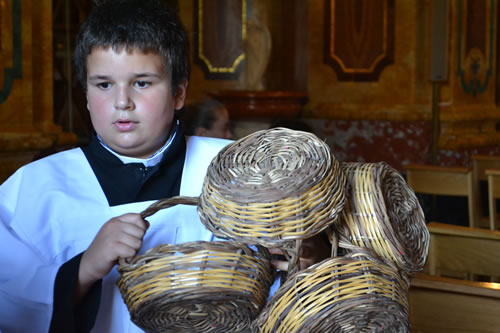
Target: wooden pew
x=493, y=195
x=437, y=180
x=463, y=250
x=445, y=305
x=481, y=163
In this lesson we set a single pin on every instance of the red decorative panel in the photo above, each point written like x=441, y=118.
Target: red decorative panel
x=394, y=142
x=475, y=44
x=2, y=10
x=277, y=104
x=220, y=29
x=359, y=37
x=475, y=35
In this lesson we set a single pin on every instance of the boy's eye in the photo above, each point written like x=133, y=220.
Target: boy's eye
x=143, y=84
x=104, y=85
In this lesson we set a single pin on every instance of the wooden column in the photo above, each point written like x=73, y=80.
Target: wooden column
x=26, y=84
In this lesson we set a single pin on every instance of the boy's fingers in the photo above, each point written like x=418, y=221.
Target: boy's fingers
x=134, y=231
x=275, y=251
x=134, y=219
x=125, y=251
x=280, y=265
x=131, y=241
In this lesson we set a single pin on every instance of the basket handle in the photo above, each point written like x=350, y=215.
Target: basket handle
x=169, y=202
x=293, y=258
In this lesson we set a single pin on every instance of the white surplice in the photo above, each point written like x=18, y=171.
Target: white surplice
x=51, y=210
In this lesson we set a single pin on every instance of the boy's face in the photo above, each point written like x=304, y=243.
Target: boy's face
x=130, y=100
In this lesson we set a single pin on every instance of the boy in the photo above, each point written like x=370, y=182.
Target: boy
x=67, y=218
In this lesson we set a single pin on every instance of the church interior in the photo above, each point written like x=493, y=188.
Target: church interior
x=414, y=84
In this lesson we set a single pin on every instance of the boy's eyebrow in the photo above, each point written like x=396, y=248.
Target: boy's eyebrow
x=147, y=74
x=135, y=76
x=98, y=77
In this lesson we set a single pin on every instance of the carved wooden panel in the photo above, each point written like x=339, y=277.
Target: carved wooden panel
x=220, y=29
x=26, y=84
x=10, y=46
x=497, y=56
x=476, y=44
x=359, y=38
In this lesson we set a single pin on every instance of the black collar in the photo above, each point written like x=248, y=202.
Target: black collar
x=133, y=182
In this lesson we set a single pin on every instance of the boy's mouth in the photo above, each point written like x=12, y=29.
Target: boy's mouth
x=125, y=125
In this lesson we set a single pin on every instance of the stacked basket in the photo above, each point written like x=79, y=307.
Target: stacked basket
x=357, y=292
x=196, y=287
x=274, y=189
x=382, y=229
x=383, y=213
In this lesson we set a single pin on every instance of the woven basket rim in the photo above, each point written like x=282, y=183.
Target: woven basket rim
x=185, y=277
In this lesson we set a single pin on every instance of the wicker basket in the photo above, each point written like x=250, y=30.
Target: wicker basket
x=383, y=213
x=196, y=286
x=359, y=292
x=274, y=187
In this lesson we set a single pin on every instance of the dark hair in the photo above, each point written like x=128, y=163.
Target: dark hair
x=147, y=25
x=202, y=114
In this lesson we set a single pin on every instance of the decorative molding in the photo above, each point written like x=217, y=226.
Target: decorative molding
x=359, y=38
x=262, y=103
x=474, y=49
x=219, y=50
x=403, y=112
x=14, y=72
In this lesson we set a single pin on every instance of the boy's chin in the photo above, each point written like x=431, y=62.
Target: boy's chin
x=133, y=152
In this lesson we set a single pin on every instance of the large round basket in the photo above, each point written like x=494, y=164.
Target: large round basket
x=196, y=286
x=274, y=187
x=359, y=292
x=383, y=213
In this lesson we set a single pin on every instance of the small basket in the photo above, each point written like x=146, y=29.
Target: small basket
x=196, y=287
x=359, y=292
x=275, y=188
x=383, y=213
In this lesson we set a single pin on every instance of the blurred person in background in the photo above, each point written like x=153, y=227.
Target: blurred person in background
x=208, y=118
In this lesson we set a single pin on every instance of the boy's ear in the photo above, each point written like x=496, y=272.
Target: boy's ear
x=180, y=94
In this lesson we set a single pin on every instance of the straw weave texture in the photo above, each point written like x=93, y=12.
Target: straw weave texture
x=359, y=292
x=196, y=287
x=383, y=213
x=275, y=188
x=271, y=188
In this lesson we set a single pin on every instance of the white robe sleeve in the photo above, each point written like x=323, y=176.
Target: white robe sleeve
x=26, y=279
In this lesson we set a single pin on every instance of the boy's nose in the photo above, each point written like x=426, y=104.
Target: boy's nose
x=123, y=100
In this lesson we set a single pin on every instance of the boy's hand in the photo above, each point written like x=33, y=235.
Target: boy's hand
x=120, y=237
x=312, y=251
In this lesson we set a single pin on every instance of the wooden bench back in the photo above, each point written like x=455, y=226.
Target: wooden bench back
x=455, y=181
x=443, y=305
x=493, y=195
x=481, y=163
x=463, y=250
x=446, y=305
